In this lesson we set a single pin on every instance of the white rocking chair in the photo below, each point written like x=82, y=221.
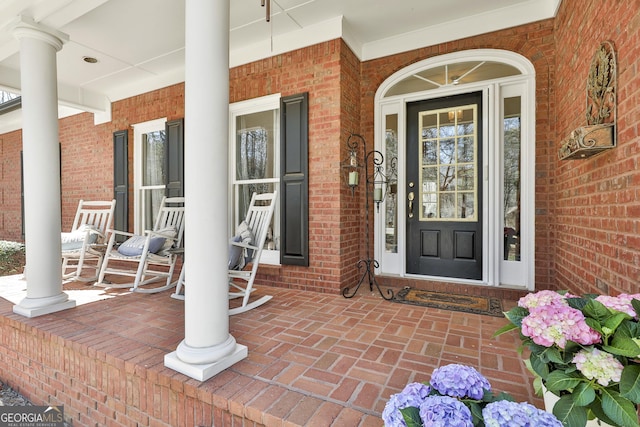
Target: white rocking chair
x=86, y=240
x=149, y=258
x=257, y=220
x=248, y=250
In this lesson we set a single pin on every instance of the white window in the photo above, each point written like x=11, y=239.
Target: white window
x=149, y=150
x=254, y=162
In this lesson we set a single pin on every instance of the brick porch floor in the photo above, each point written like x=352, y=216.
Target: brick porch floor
x=314, y=359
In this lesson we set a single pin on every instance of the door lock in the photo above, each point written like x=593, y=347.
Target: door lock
x=411, y=196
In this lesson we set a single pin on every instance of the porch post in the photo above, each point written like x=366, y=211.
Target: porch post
x=207, y=348
x=41, y=154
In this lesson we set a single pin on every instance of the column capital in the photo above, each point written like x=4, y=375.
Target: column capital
x=26, y=27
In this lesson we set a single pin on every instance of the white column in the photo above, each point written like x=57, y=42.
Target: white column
x=207, y=348
x=41, y=154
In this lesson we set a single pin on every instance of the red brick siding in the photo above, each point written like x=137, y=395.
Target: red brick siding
x=597, y=210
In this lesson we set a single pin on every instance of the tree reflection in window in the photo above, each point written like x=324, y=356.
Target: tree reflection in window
x=511, y=200
x=252, y=163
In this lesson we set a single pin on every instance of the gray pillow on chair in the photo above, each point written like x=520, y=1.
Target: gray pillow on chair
x=235, y=253
x=244, y=235
x=134, y=245
x=74, y=240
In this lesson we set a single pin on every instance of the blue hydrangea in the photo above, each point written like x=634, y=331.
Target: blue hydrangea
x=459, y=381
x=504, y=413
x=412, y=395
x=445, y=411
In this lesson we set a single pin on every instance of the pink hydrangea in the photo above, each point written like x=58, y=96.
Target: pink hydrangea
x=621, y=303
x=598, y=365
x=541, y=298
x=556, y=324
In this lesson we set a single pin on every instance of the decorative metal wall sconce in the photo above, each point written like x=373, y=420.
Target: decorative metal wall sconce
x=376, y=185
x=600, y=132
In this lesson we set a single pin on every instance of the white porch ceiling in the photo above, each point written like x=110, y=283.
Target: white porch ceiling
x=139, y=44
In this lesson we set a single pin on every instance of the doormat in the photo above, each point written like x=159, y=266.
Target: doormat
x=444, y=301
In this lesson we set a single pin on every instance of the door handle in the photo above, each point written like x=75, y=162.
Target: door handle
x=411, y=196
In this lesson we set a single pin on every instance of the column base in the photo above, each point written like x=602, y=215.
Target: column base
x=30, y=307
x=203, y=372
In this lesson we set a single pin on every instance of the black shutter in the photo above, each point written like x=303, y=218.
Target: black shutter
x=121, y=179
x=174, y=158
x=294, y=184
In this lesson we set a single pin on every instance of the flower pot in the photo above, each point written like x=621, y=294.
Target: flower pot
x=550, y=399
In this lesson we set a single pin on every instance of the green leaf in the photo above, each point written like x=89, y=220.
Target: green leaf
x=569, y=413
x=583, y=394
x=504, y=396
x=559, y=380
x=539, y=366
x=506, y=328
x=622, y=346
x=577, y=303
x=552, y=354
x=516, y=314
x=476, y=412
x=595, y=410
x=630, y=383
x=614, y=321
x=636, y=305
x=411, y=416
x=596, y=310
x=594, y=324
x=629, y=329
x=621, y=411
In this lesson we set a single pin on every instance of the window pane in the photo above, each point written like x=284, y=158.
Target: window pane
x=512, y=187
x=451, y=74
x=447, y=205
x=465, y=149
x=429, y=152
x=465, y=205
x=245, y=192
x=153, y=176
x=391, y=200
x=153, y=149
x=151, y=206
x=466, y=177
x=447, y=151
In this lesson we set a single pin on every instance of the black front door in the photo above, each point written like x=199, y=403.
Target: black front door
x=444, y=187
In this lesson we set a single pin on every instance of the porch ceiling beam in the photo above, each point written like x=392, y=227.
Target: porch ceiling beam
x=69, y=96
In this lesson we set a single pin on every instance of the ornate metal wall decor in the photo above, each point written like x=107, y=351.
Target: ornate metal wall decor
x=600, y=132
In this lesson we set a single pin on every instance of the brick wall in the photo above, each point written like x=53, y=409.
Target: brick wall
x=101, y=385
x=316, y=70
x=597, y=212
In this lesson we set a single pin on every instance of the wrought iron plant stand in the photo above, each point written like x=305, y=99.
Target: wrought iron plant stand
x=376, y=184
